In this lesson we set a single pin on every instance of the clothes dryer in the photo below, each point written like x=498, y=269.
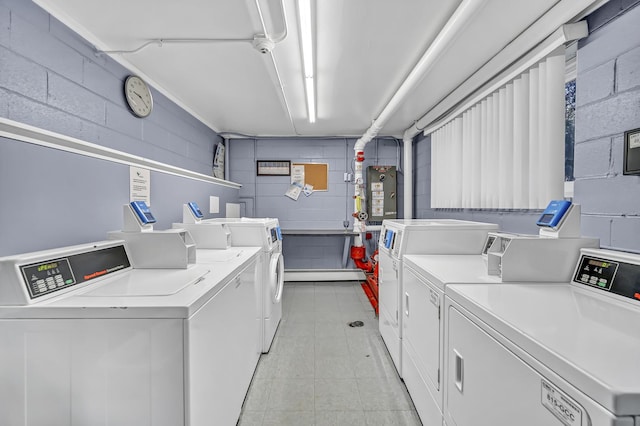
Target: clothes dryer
x=264, y=233
x=424, y=280
x=416, y=236
x=533, y=355
x=87, y=339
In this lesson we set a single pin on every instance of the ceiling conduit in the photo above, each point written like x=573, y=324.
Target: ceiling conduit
x=261, y=42
x=462, y=15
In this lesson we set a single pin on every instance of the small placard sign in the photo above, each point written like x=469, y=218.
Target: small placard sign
x=632, y=152
x=273, y=167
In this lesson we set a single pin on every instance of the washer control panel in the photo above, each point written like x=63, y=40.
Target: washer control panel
x=610, y=275
x=51, y=275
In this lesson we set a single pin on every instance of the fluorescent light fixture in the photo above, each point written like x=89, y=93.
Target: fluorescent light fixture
x=304, y=11
x=311, y=99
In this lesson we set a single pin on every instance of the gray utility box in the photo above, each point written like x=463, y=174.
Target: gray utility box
x=381, y=193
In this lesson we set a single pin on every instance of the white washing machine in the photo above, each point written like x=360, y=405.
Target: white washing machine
x=86, y=339
x=534, y=355
x=416, y=236
x=264, y=233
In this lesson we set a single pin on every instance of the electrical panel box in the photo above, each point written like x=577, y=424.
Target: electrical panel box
x=381, y=193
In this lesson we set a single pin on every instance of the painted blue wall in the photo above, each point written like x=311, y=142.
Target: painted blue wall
x=263, y=196
x=607, y=104
x=51, y=78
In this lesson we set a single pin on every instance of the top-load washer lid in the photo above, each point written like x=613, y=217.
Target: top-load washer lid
x=215, y=256
x=153, y=282
x=259, y=220
x=442, y=270
x=590, y=340
x=443, y=223
x=433, y=236
x=251, y=232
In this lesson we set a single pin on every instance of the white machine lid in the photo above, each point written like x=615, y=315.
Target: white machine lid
x=144, y=293
x=245, y=220
x=216, y=256
x=442, y=270
x=439, y=223
x=592, y=340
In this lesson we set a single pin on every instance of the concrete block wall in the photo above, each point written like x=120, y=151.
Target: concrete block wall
x=607, y=105
x=51, y=78
x=263, y=196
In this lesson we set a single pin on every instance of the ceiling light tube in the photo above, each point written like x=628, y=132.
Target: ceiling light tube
x=311, y=99
x=306, y=36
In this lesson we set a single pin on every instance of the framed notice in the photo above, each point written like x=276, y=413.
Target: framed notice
x=273, y=167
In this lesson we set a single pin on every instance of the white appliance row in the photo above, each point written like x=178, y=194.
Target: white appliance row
x=562, y=354
x=162, y=248
x=399, y=238
x=484, y=352
x=506, y=258
x=95, y=341
x=151, y=327
x=264, y=233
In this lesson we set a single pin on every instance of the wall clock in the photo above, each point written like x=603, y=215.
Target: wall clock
x=138, y=96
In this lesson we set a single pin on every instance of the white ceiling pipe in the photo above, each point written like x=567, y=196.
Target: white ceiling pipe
x=458, y=20
x=408, y=178
x=279, y=37
x=449, y=32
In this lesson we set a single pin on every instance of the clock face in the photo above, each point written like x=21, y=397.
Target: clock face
x=138, y=96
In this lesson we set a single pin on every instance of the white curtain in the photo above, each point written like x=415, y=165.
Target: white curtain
x=507, y=150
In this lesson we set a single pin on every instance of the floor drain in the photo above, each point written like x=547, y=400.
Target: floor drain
x=356, y=324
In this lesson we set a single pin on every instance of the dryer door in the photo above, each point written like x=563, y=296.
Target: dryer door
x=276, y=277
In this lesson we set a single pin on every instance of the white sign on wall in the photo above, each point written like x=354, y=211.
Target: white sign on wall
x=140, y=184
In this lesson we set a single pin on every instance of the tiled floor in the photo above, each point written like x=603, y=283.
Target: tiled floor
x=320, y=371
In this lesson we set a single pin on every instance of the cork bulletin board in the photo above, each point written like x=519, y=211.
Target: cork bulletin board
x=316, y=174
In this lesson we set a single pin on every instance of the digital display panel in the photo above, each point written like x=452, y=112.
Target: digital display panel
x=596, y=272
x=616, y=277
x=388, y=238
x=545, y=218
x=57, y=274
